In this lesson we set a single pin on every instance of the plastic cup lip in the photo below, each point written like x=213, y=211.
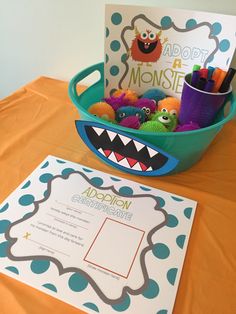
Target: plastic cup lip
x=204, y=92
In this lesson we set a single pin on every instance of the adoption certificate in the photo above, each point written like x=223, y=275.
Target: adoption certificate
x=101, y=243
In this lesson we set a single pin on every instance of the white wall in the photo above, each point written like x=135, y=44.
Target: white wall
x=58, y=38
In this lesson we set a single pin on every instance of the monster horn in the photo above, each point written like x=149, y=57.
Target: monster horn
x=159, y=33
x=136, y=31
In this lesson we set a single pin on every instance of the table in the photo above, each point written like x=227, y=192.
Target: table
x=38, y=120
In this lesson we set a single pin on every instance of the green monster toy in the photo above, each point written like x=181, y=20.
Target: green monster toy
x=160, y=122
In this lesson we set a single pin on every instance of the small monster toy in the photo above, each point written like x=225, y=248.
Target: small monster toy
x=124, y=113
x=121, y=98
x=169, y=104
x=153, y=126
x=168, y=120
x=102, y=110
x=147, y=105
x=191, y=126
x=155, y=94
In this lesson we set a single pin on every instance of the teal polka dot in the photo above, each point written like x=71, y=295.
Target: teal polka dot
x=166, y=22
x=172, y=221
x=26, y=200
x=39, y=266
x=161, y=201
x=177, y=199
x=161, y=251
x=27, y=216
x=107, y=82
x=44, y=178
x=144, y=188
x=180, y=240
x=87, y=170
x=152, y=290
x=91, y=306
x=224, y=45
x=188, y=212
x=124, y=57
x=45, y=165
x=116, y=18
x=114, y=70
x=162, y=312
x=13, y=269
x=216, y=28
x=191, y=24
x=115, y=45
x=171, y=275
x=50, y=287
x=46, y=193
x=126, y=190
x=115, y=179
x=4, y=208
x=97, y=181
x=3, y=249
x=122, y=306
x=77, y=282
x=67, y=171
x=60, y=161
x=107, y=58
x=107, y=32
x=4, y=224
x=26, y=185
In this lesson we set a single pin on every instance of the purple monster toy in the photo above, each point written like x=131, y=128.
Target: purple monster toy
x=147, y=105
x=117, y=102
x=191, y=126
x=130, y=122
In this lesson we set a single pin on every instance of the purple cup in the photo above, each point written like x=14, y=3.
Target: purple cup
x=199, y=106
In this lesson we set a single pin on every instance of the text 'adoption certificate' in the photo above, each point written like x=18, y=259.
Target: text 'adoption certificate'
x=101, y=243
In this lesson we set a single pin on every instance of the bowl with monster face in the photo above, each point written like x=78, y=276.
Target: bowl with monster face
x=139, y=152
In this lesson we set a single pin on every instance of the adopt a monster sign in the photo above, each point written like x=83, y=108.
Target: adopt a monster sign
x=149, y=47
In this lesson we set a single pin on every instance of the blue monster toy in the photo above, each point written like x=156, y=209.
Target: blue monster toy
x=130, y=117
x=154, y=93
x=129, y=111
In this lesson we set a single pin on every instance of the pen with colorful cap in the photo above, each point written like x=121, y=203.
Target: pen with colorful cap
x=209, y=86
x=227, y=80
x=219, y=81
x=196, y=67
x=195, y=78
x=201, y=83
x=216, y=74
x=210, y=72
x=203, y=73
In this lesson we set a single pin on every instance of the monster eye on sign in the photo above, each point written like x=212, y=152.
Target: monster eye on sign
x=125, y=152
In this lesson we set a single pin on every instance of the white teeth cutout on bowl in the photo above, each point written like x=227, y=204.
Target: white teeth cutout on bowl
x=124, y=161
x=111, y=134
x=99, y=131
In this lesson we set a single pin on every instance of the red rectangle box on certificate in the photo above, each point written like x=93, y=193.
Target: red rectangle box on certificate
x=115, y=247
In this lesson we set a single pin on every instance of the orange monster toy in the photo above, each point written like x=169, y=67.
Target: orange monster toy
x=169, y=104
x=146, y=46
x=130, y=95
x=102, y=110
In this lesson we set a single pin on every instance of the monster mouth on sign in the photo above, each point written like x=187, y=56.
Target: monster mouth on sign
x=147, y=47
x=124, y=151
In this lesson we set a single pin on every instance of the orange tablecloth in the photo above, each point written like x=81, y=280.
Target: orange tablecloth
x=38, y=120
